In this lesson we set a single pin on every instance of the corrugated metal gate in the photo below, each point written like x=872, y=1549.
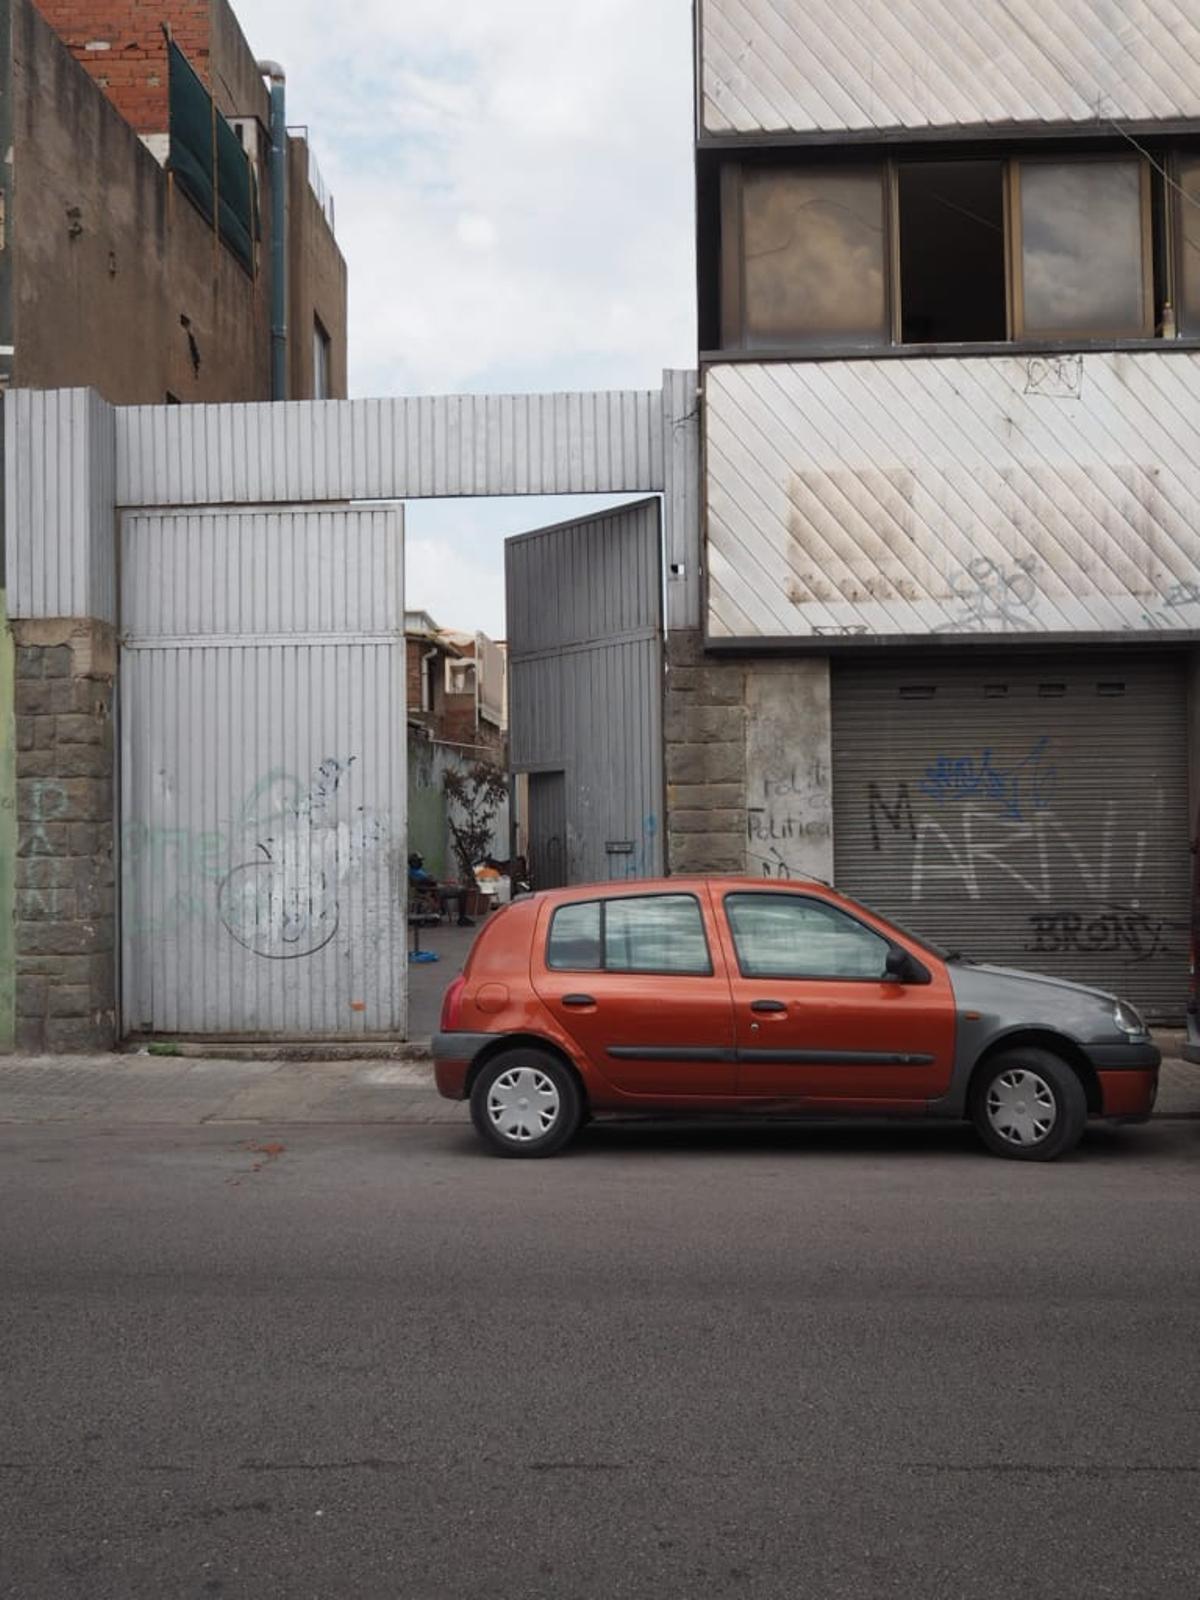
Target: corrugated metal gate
x=1031, y=813
x=263, y=773
x=548, y=829
x=585, y=692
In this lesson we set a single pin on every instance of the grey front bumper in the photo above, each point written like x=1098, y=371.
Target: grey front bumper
x=1124, y=1057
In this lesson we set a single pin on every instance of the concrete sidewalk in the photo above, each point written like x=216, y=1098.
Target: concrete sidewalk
x=143, y=1090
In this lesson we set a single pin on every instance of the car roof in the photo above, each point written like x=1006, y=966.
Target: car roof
x=680, y=885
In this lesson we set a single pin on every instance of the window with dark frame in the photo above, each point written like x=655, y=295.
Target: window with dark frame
x=321, y=346
x=1187, y=209
x=1081, y=241
x=812, y=266
x=862, y=256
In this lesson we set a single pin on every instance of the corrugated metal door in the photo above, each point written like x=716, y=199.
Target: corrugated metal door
x=585, y=690
x=263, y=773
x=548, y=829
x=1031, y=813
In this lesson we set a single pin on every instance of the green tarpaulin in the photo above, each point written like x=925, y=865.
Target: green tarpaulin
x=208, y=160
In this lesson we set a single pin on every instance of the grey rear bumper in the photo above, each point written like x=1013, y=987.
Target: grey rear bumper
x=459, y=1046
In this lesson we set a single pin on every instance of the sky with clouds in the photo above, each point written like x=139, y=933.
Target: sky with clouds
x=513, y=183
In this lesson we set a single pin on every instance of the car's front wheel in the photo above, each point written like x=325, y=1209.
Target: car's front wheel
x=1029, y=1105
x=526, y=1103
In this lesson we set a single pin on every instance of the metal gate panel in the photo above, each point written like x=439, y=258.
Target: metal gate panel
x=263, y=779
x=1030, y=813
x=586, y=683
x=548, y=829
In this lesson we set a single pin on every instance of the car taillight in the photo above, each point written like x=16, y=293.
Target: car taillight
x=452, y=1005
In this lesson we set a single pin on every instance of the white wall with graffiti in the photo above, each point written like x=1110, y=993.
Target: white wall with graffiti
x=917, y=498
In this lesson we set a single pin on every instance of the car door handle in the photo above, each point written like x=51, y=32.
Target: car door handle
x=578, y=1000
x=762, y=1006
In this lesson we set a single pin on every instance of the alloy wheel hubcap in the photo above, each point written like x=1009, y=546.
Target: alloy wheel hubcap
x=1021, y=1107
x=523, y=1104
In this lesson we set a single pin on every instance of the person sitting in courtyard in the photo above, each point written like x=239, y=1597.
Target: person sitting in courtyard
x=448, y=894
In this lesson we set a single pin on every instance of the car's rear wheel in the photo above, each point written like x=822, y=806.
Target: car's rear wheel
x=526, y=1103
x=1028, y=1105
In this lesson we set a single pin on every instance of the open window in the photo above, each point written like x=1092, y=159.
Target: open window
x=828, y=257
x=460, y=676
x=1187, y=206
x=952, y=252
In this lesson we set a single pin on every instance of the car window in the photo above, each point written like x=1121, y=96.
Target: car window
x=790, y=936
x=574, y=944
x=644, y=933
x=656, y=933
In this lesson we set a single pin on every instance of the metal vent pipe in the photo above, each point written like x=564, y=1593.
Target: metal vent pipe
x=279, y=333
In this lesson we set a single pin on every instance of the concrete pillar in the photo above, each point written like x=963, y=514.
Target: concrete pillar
x=789, y=793
x=8, y=834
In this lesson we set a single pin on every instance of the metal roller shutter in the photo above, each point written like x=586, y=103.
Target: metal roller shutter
x=1029, y=813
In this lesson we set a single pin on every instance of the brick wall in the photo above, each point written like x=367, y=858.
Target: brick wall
x=65, y=894
x=120, y=43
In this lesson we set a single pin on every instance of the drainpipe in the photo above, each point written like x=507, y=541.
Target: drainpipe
x=278, y=78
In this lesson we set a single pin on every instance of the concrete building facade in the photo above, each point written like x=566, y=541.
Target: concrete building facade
x=457, y=696
x=944, y=648
x=117, y=279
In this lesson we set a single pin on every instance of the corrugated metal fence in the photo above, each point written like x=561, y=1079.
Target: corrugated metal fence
x=585, y=642
x=263, y=773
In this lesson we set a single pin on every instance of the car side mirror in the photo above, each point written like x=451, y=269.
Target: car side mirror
x=901, y=967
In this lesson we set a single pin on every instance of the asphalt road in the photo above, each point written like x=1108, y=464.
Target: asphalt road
x=820, y=1363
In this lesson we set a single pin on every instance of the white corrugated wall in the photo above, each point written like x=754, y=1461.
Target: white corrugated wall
x=263, y=788
x=999, y=495
x=806, y=66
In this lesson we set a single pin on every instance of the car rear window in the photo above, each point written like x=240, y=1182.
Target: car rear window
x=661, y=933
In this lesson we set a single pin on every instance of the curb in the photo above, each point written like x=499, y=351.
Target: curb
x=333, y=1051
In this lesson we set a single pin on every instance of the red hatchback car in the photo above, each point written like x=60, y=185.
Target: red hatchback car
x=732, y=994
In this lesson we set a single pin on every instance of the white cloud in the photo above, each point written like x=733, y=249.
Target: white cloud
x=513, y=182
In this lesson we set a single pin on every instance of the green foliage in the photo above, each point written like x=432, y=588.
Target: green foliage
x=474, y=795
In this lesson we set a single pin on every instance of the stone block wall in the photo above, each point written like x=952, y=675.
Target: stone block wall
x=748, y=762
x=705, y=734
x=65, y=887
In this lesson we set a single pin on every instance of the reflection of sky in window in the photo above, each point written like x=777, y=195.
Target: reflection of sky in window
x=814, y=254
x=782, y=938
x=661, y=933
x=1082, y=237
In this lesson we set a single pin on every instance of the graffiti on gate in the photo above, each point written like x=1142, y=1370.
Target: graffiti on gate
x=978, y=829
x=272, y=877
x=1118, y=930
x=283, y=904
x=1016, y=791
x=635, y=858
